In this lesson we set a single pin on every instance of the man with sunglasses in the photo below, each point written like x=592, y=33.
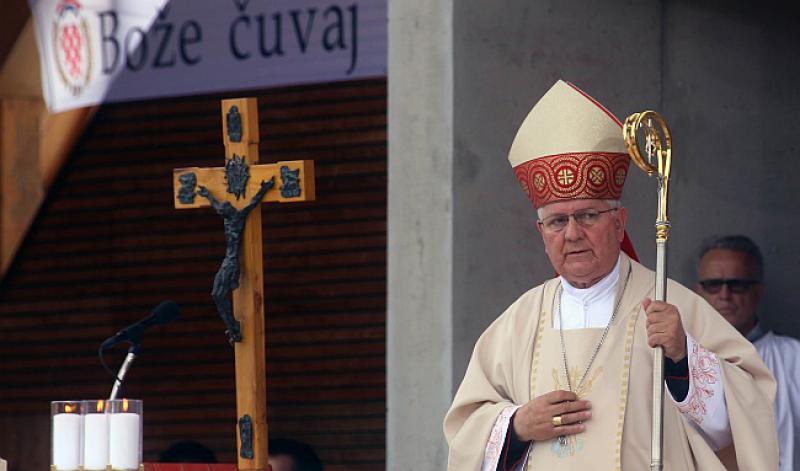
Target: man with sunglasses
x=730, y=274
x=563, y=378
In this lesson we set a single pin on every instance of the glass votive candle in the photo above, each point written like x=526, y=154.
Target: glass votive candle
x=65, y=444
x=95, y=435
x=125, y=434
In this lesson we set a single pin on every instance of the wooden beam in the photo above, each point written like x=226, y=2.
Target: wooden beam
x=34, y=144
x=20, y=175
x=213, y=177
x=20, y=75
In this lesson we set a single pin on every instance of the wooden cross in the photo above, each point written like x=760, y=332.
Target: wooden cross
x=293, y=182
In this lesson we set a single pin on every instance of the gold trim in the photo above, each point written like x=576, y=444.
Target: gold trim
x=626, y=370
x=543, y=318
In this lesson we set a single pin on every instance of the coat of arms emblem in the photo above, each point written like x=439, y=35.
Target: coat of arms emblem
x=72, y=46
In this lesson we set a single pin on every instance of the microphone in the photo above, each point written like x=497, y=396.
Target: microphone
x=164, y=313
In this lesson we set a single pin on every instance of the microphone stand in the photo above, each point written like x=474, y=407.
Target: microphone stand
x=164, y=313
x=123, y=370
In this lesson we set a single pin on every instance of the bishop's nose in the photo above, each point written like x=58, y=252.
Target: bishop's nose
x=573, y=231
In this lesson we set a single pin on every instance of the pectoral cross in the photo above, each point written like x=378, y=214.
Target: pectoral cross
x=236, y=192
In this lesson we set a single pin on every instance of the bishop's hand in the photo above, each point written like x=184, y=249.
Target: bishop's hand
x=538, y=419
x=665, y=329
x=202, y=191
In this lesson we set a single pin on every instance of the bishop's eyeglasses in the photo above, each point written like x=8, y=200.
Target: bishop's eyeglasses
x=584, y=218
x=735, y=285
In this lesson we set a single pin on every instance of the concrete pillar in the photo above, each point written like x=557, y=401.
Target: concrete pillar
x=419, y=304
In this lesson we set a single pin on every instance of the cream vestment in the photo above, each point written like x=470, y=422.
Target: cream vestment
x=519, y=357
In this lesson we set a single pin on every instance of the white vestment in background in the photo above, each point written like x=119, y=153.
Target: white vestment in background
x=781, y=354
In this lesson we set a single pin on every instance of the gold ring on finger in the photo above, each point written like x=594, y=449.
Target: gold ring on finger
x=557, y=421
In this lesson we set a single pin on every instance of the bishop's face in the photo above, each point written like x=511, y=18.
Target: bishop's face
x=584, y=254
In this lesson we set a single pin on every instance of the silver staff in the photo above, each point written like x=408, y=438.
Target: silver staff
x=658, y=146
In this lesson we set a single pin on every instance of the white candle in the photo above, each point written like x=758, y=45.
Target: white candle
x=95, y=441
x=124, y=434
x=67, y=441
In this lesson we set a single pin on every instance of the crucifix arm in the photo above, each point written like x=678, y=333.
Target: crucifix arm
x=266, y=185
x=203, y=191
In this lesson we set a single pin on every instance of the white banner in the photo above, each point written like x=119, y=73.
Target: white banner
x=94, y=51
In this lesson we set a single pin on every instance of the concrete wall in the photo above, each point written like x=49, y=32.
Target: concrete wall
x=731, y=92
x=724, y=74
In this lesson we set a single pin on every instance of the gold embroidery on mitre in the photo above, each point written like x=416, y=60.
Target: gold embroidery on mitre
x=552, y=178
x=538, y=181
x=566, y=177
x=597, y=175
x=620, y=177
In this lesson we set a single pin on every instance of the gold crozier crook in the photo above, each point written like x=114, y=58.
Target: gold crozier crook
x=658, y=145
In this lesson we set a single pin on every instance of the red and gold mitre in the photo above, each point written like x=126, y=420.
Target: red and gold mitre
x=569, y=147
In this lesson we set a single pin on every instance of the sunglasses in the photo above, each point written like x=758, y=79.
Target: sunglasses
x=735, y=285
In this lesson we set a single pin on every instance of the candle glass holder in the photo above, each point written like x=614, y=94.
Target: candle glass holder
x=125, y=434
x=94, y=455
x=66, y=434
